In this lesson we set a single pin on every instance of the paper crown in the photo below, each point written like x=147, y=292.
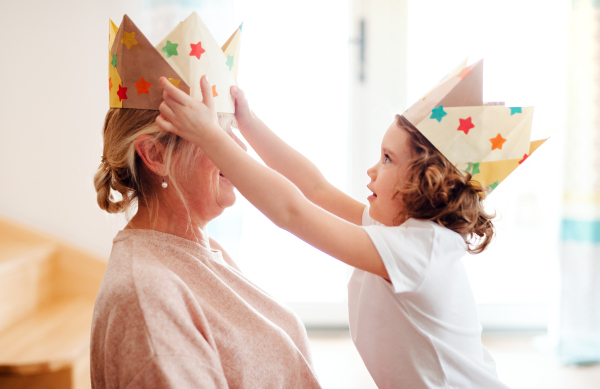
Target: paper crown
x=183, y=56
x=488, y=140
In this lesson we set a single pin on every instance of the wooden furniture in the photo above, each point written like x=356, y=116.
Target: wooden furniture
x=47, y=293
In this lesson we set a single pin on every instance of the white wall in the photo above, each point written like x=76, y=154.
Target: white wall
x=54, y=72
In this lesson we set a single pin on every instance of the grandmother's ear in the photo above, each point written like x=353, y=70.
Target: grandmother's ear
x=151, y=152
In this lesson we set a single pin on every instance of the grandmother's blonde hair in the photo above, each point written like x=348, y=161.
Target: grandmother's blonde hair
x=121, y=180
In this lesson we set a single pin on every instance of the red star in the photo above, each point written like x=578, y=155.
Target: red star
x=497, y=142
x=197, y=49
x=525, y=156
x=465, y=125
x=109, y=84
x=214, y=90
x=122, y=93
x=143, y=86
x=464, y=73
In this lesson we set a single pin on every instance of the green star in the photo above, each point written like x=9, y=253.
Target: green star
x=170, y=49
x=114, y=61
x=514, y=110
x=475, y=167
x=438, y=113
x=493, y=186
x=229, y=61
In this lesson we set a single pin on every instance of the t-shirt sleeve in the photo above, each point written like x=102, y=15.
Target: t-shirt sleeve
x=405, y=250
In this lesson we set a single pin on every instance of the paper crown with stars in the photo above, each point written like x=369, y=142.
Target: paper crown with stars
x=488, y=140
x=183, y=56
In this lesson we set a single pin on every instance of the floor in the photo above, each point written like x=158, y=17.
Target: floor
x=519, y=360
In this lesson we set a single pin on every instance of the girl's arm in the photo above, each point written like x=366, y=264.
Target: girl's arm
x=267, y=190
x=294, y=166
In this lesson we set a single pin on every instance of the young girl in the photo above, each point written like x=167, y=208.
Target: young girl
x=412, y=314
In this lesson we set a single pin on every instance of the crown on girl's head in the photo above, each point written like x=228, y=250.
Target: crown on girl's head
x=183, y=57
x=488, y=140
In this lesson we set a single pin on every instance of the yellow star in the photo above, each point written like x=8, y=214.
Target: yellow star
x=175, y=82
x=129, y=39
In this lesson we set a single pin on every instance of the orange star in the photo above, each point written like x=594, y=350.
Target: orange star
x=464, y=73
x=214, y=89
x=465, y=125
x=497, y=142
x=175, y=82
x=143, y=86
x=109, y=84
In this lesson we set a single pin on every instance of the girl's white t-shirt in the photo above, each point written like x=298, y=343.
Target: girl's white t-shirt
x=421, y=330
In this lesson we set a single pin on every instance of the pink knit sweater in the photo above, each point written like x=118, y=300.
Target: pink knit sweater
x=173, y=314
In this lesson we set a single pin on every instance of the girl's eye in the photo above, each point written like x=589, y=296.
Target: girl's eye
x=387, y=158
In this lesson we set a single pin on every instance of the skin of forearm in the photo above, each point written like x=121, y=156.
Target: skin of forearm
x=283, y=158
x=268, y=191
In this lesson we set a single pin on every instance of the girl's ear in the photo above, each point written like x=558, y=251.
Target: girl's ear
x=152, y=153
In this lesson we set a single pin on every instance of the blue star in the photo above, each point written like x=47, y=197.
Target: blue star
x=229, y=61
x=438, y=113
x=514, y=110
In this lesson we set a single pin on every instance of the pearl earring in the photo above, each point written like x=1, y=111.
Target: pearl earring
x=164, y=184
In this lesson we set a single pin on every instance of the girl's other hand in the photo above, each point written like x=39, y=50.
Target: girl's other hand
x=243, y=113
x=183, y=115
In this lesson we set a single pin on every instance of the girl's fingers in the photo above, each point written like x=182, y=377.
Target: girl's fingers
x=166, y=111
x=207, y=94
x=175, y=93
x=163, y=124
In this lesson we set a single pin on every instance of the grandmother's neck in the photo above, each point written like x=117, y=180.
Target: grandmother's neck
x=171, y=222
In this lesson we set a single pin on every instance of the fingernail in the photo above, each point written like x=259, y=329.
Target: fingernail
x=206, y=78
x=235, y=90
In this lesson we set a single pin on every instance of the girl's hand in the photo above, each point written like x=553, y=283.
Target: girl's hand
x=243, y=113
x=184, y=116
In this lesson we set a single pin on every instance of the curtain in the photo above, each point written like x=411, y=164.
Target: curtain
x=579, y=329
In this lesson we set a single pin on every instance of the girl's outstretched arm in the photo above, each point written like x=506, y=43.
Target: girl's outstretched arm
x=294, y=166
x=267, y=190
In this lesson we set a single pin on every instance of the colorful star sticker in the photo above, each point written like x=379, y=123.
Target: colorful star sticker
x=129, y=39
x=143, y=86
x=525, y=156
x=122, y=93
x=214, y=90
x=109, y=84
x=497, y=142
x=514, y=110
x=175, y=82
x=475, y=167
x=438, y=113
x=229, y=61
x=465, y=125
x=197, y=50
x=114, y=60
x=464, y=73
x=493, y=186
x=170, y=49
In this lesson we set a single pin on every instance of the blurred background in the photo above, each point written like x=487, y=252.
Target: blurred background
x=328, y=77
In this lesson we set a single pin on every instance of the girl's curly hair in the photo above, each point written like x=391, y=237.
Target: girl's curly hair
x=436, y=190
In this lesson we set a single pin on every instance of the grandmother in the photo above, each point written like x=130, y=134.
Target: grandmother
x=174, y=310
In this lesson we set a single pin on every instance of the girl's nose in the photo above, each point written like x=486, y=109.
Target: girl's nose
x=371, y=172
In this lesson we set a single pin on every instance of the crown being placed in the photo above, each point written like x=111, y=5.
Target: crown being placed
x=183, y=57
x=488, y=140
